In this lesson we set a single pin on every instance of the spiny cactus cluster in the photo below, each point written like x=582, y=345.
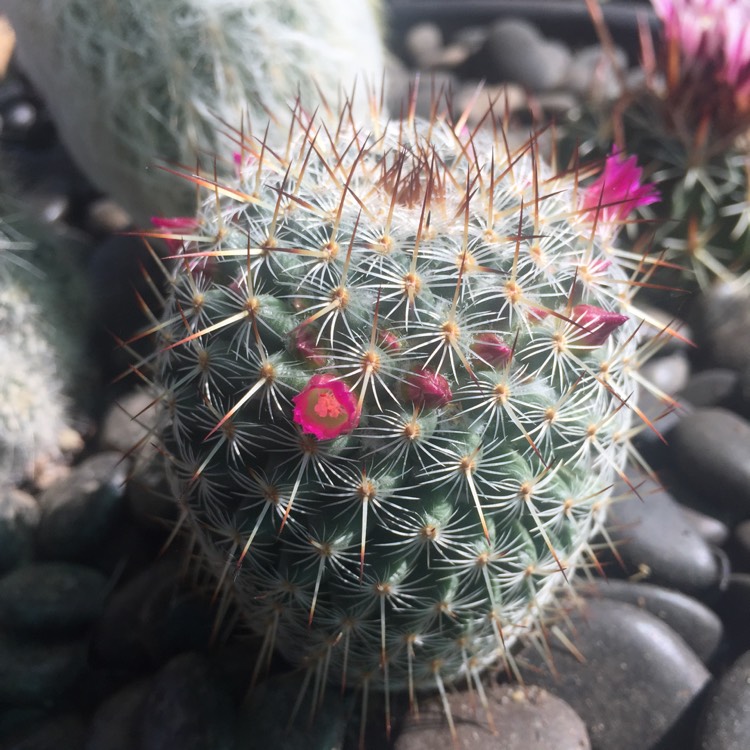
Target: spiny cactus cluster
x=688, y=117
x=133, y=82
x=396, y=368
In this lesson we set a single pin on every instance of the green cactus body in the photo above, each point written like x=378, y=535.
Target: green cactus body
x=396, y=384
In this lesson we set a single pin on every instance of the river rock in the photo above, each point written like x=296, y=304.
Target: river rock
x=81, y=510
x=629, y=664
x=51, y=597
x=695, y=623
x=19, y=517
x=523, y=719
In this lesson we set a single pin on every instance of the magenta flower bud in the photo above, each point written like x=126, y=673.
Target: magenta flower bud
x=594, y=324
x=303, y=345
x=388, y=341
x=325, y=408
x=492, y=349
x=428, y=388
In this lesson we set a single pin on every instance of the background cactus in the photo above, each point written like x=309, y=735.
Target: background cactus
x=396, y=369
x=130, y=83
x=686, y=114
x=42, y=344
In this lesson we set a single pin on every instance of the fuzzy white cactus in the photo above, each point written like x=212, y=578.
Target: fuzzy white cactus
x=132, y=82
x=33, y=407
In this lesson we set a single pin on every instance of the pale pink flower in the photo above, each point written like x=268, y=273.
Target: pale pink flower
x=325, y=408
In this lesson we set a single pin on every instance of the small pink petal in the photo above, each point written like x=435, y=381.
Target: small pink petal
x=428, y=388
x=325, y=408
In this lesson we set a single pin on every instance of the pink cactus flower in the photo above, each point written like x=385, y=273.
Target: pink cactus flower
x=428, y=388
x=613, y=196
x=490, y=348
x=593, y=324
x=325, y=408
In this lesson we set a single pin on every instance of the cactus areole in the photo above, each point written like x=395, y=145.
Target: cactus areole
x=396, y=382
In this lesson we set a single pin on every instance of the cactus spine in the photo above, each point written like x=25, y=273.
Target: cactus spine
x=396, y=370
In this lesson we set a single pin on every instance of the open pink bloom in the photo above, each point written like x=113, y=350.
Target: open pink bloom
x=428, y=388
x=596, y=324
x=325, y=408
x=618, y=191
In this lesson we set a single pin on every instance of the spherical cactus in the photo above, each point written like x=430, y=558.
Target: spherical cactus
x=396, y=373
x=133, y=82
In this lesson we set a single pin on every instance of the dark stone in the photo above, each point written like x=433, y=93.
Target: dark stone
x=655, y=541
x=711, y=448
x=51, y=597
x=716, y=387
x=711, y=529
x=19, y=516
x=116, y=725
x=268, y=714
x=79, y=511
x=150, y=619
x=721, y=325
x=698, y=626
x=739, y=548
x=734, y=609
x=521, y=55
x=523, y=718
x=633, y=681
x=187, y=709
x=34, y=671
x=725, y=724
x=65, y=732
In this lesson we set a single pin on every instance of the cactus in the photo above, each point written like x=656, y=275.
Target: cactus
x=132, y=82
x=33, y=405
x=687, y=115
x=397, y=373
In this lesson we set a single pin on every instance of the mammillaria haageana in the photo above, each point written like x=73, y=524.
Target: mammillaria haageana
x=397, y=369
